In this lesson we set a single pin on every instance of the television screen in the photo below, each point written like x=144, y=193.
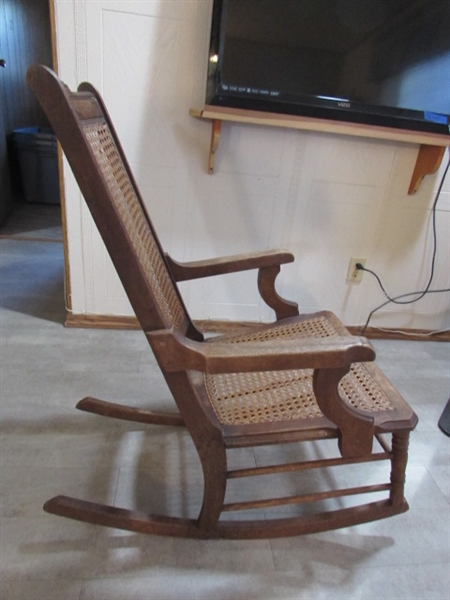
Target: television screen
x=379, y=62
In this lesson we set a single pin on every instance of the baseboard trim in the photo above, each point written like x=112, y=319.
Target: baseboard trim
x=19, y=237
x=416, y=335
x=217, y=326
x=85, y=321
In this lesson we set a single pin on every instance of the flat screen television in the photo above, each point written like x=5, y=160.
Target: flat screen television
x=376, y=62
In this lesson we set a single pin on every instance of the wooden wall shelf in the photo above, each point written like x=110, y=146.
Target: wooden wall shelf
x=431, y=150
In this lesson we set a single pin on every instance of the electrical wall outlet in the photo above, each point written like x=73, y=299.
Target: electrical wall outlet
x=354, y=274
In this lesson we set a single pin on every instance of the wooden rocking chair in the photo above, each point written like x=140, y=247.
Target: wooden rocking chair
x=300, y=379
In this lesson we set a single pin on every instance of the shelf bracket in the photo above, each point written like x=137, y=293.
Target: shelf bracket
x=216, y=128
x=428, y=162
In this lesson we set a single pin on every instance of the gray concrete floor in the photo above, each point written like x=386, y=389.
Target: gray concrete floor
x=47, y=447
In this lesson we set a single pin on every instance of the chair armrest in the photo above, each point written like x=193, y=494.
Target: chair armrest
x=268, y=264
x=177, y=353
x=228, y=264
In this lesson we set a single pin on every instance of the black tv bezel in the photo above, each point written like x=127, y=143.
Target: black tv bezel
x=317, y=107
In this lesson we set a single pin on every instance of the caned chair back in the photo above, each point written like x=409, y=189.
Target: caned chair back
x=91, y=145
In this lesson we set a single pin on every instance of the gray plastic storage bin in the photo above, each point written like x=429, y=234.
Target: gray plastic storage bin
x=38, y=160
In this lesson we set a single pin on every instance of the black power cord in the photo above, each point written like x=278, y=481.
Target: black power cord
x=427, y=290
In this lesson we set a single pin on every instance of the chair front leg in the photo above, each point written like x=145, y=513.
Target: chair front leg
x=400, y=442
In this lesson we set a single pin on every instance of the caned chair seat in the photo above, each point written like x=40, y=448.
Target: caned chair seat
x=277, y=396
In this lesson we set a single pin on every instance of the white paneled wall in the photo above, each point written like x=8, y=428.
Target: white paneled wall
x=322, y=196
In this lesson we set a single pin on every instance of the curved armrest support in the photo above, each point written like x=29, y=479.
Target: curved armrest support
x=356, y=427
x=266, y=285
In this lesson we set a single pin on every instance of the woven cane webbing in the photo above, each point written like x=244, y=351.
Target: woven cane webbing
x=135, y=222
x=318, y=327
x=241, y=398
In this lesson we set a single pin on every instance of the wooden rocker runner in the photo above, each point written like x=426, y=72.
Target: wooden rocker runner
x=302, y=379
